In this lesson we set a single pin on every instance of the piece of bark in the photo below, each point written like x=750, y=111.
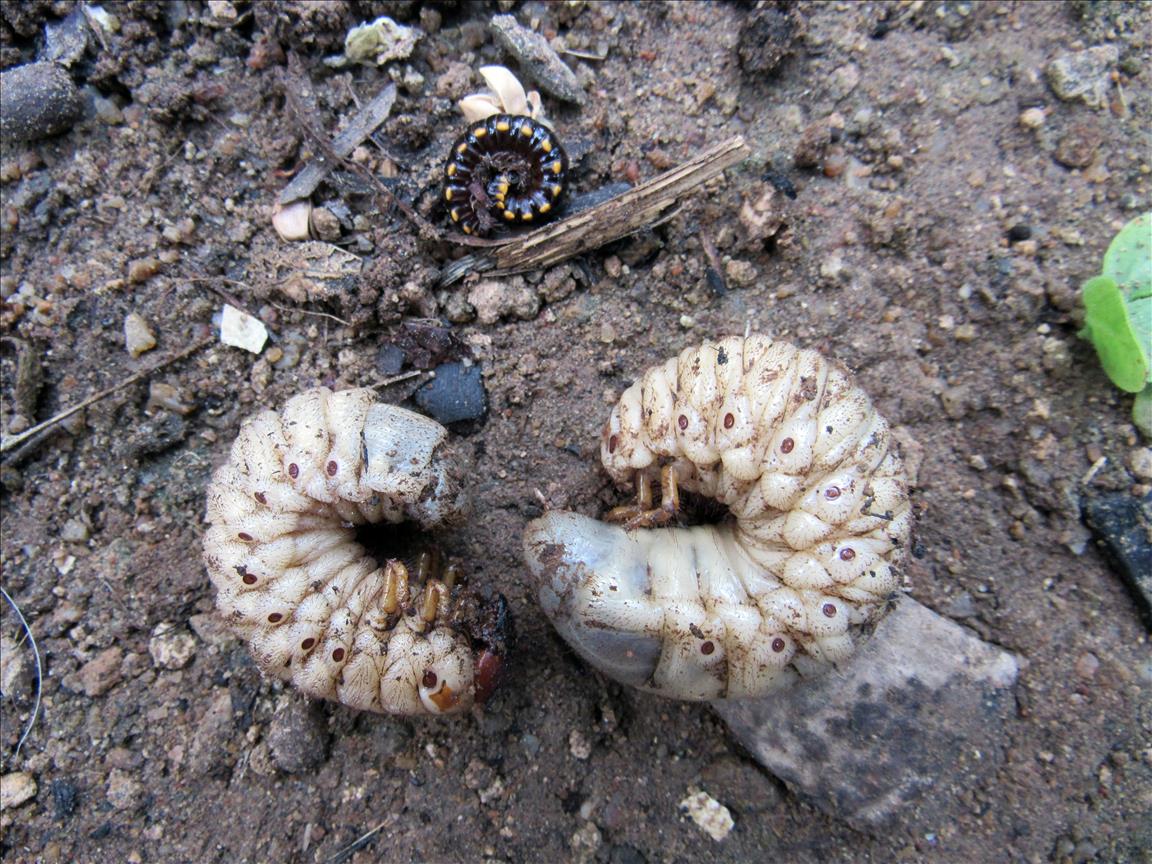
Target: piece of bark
x=914, y=721
x=648, y=204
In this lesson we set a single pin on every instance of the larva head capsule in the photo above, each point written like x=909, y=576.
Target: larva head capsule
x=818, y=521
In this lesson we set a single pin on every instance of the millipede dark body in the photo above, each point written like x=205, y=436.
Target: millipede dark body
x=507, y=169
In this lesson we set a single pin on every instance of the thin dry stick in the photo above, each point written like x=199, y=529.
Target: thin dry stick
x=358, y=843
x=15, y=440
x=39, y=676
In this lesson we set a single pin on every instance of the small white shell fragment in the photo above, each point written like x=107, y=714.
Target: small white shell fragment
x=291, y=220
x=138, y=336
x=505, y=95
x=240, y=330
x=712, y=816
x=16, y=788
x=507, y=88
x=478, y=106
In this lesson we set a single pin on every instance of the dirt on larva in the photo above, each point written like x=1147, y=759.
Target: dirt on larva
x=950, y=198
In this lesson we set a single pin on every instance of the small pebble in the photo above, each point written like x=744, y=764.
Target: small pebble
x=16, y=788
x=1084, y=75
x=138, y=336
x=1033, y=118
x=1019, y=232
x=579, y=745
x=241, y=330
x=39, y=100
x=171, y=647
x=456, y=393
x=712, y=816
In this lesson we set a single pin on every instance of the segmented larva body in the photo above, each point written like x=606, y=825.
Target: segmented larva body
x=316, y=609
x=818, y=520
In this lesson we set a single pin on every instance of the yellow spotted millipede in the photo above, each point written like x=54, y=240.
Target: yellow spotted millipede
x=507, y=169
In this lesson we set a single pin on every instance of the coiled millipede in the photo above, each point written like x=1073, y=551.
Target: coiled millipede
x=294, y=582
x=505, y=169
x=818, y=521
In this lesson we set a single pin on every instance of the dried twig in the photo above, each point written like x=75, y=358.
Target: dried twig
x=646, y=205
x=39, y=672
x=15, y=440
x=358, y=843
x=299, y=96
x=361, y=127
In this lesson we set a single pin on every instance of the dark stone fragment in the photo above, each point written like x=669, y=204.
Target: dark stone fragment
x=37, y=100
x=1122, y=525
x=390, y=360
x=298, y=737
x=456, y=393
x=766, y=38
x=622, y=853
x=65, y=796
x=1017, y=233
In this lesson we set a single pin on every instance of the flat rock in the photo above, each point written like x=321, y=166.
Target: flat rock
x=914, y=721
x=1083, y=75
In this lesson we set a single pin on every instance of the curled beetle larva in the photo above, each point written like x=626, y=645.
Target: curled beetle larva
x=316, y=609
x=818, y=520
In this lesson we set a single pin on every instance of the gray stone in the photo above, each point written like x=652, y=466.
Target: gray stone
x=1084, y=75
x=456, y=393
x=894, y=737
x=213, y=741
x=298, y=737
x=537, y=59
x=37, y=100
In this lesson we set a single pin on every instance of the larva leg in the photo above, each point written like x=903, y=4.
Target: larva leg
x=642, y=514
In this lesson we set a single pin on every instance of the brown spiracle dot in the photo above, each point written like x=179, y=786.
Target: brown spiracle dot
x=249, y=579
x=707, y=648
x=829, y=610
x=259, y=496
x=429, y=679
x=308, y=643
x=729, y=421
x=293, y=470
x=778, y=645
x=612, y=442
x=786, y=445
x=275, y=618
x=832, y=493
x=245, y=536
x=847, y=553
x=338, y=654
x=332, y=468
x=682, y=421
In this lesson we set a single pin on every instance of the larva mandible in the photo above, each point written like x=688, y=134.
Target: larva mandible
x=316, y=609
x=818, y=522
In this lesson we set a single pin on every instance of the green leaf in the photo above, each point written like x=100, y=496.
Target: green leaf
x=1129, y=258
x=1142, y=412
x=1108, y=325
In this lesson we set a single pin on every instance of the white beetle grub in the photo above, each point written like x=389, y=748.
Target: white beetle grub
x=817, y=522
x=315, y=608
